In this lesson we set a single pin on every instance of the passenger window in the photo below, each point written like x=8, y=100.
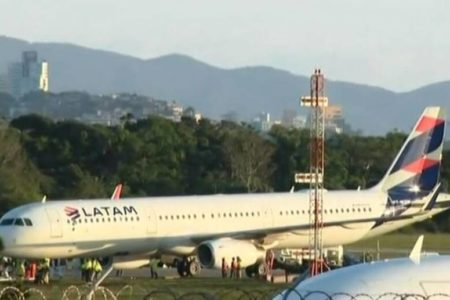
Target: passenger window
x=19, y=222
x=28, y=222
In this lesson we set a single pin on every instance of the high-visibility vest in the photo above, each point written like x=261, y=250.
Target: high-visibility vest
x=97, y=266
x=89, y=264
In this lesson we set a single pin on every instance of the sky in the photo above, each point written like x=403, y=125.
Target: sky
x=398, y=45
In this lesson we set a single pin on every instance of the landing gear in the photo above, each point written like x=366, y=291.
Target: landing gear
x=258, y=269
x=187, y=268
x=262, y=269
x=250, y=271
x=194, y=268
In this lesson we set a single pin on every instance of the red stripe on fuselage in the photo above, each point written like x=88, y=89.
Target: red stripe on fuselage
x=427, y=123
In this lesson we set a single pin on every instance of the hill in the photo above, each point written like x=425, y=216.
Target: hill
x=215, y=91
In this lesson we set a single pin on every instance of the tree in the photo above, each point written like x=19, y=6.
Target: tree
x=248, y=156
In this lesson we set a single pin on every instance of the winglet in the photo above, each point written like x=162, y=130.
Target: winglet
x=44, y=199
x=416, y=251
x=291, y=190
x=117, y=192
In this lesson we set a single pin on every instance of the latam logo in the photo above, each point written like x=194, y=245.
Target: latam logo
x=72, y=212
x=102, y=211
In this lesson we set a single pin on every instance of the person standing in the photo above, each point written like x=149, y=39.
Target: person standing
x=154, y=268
x=238, y=267
x=233, y=268
x=97, y=268
x=224, y=268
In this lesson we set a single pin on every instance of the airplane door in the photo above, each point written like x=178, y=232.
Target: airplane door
x=268, y=218
x=56, y=230
x=151, y=221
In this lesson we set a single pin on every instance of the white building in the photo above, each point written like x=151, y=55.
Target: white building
x=28, y=75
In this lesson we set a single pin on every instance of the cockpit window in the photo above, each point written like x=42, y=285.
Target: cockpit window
x=19, y=222
x=6, y=222
x=28, y=222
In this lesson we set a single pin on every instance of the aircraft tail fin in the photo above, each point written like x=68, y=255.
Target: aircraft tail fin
x=117, y=192
x=415, y=172
x=417, y=250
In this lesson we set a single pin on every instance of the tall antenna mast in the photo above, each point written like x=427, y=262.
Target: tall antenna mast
x=318, y=103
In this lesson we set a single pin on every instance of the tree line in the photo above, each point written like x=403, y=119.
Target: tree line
x=155, y=156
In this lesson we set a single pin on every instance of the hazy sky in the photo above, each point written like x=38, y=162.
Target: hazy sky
x=400, y=45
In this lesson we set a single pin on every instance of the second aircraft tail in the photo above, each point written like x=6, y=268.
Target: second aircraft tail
x=415, y=172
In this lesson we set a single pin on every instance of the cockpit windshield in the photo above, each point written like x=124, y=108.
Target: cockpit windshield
x=16, y=222
x=19, y=222
x=6, y=222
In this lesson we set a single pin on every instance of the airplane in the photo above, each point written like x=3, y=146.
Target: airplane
x=213, y=227
x=420, y=276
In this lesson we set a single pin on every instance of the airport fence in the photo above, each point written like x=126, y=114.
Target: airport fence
x=129, y=292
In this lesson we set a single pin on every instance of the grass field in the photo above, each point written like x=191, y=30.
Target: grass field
x=144, y=288
x=399, y=244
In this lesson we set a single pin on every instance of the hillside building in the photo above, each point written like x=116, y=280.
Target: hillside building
x=27, y=76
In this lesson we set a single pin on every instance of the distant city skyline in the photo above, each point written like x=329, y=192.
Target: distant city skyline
x=398, y=45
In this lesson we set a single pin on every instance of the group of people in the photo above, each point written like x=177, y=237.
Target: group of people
x=21, y=269
x=234, y=268
x=90, y=268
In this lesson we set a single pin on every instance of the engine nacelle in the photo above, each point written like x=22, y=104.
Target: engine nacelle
x=210, y=253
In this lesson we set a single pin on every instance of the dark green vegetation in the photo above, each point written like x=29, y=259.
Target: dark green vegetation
x=139, y=288
x=155, y=156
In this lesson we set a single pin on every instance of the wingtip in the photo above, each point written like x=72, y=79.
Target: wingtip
x=417, y=250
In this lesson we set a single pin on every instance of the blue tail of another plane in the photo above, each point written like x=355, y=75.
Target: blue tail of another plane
x=415, y=171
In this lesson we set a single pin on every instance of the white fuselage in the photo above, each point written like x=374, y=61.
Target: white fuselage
x=178, y=224
x=394, y=279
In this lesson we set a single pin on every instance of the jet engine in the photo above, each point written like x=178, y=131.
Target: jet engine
x=210, y=253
